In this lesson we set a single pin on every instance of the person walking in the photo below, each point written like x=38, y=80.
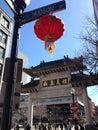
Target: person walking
x=17, y=127
x=81, y=127
x=61, y=126
x=65, y=126
x=76, y=127
x=41, y=126
x=27, y=127
x=49, y=127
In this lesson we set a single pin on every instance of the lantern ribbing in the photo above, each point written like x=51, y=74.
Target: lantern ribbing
x=49, y=28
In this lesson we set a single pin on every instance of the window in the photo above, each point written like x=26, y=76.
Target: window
x=3, y=37
x=2, y=52
x=5, y=22
x=1, y=69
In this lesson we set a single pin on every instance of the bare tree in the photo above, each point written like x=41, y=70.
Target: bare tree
x=89, y=37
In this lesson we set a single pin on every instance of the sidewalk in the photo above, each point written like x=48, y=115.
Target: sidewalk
x=24, y=129
x=33, y=129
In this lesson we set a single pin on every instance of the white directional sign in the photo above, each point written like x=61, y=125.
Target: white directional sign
x=35, y=14
x=11, y=4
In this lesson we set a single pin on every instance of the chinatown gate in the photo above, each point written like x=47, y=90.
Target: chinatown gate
x=50, y=87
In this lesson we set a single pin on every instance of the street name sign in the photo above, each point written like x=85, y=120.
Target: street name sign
x=35, y=14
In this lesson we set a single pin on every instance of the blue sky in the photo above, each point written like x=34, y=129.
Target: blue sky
x=69, y=44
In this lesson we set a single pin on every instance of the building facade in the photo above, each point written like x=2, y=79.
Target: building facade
x=6, y=26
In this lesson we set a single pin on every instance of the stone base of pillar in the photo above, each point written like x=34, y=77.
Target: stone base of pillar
x=90, y=127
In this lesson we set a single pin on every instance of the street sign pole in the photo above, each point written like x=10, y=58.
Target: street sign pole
x=17, y=7
x=11, y=79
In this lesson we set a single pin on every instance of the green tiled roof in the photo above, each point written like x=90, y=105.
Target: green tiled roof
x=74, y=64
x=91, y=79
x=52, y=63
x=31, y=84
x=79, y=77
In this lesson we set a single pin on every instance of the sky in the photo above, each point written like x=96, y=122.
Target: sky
x=69, y=44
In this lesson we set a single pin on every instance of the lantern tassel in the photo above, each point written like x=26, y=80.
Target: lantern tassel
x=50, y=46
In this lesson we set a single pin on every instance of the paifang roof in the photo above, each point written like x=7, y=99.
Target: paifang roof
x=31, y=86
x=76, y=63
x=52, y=63
x=87, y=80
x=33, y=83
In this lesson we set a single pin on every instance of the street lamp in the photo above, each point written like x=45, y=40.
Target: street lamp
x=74, y=107
x=19, y=6
x=72, y=91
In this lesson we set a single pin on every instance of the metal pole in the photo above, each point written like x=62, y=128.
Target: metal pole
x=73, y=98
x=11, y=79
x=75, y=115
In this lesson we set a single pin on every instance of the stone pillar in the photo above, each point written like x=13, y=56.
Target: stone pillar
x=30, y=110
x=89, y=123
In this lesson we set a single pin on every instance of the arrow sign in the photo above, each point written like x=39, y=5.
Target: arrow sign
x=11, y=5
x=35, y=14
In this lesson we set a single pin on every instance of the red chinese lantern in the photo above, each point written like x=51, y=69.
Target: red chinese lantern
x=49, y=28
